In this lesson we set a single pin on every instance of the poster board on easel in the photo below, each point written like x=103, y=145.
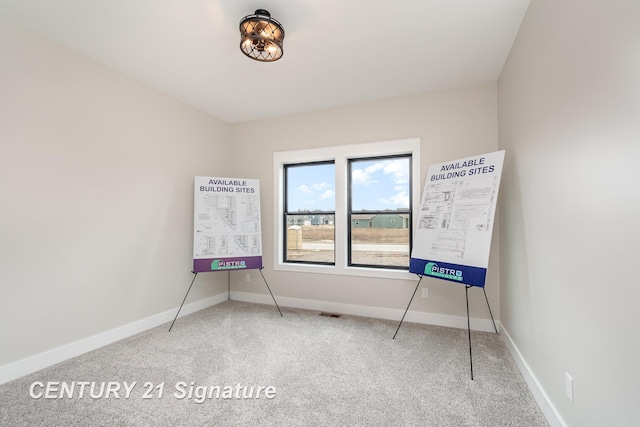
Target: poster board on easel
x=453, y=237
x=226, y=228
x=227, y=234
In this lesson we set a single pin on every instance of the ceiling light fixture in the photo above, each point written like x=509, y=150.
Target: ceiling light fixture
x=261, y=37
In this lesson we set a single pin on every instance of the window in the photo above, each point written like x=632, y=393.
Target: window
x=309, y=212
x=379, y=210
x=347, y=209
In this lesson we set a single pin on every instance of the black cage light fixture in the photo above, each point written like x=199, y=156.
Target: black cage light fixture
x=261, y=37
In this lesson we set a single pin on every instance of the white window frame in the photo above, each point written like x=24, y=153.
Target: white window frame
x=340, y=154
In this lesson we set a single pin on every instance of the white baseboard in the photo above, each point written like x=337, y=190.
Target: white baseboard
x=48, y=358
x=485, y=325
x=541, y=397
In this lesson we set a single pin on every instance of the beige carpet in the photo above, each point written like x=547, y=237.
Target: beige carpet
x=241, y=364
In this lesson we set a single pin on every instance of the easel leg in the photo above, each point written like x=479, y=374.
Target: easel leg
x=228, y=285
x=185, y=298
x=274, y=299
x=405, y=312
x=490, y=313
x=466, y=291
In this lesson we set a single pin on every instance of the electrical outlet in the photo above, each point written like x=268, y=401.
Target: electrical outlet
x=568, y=386
x=247, y=277
x=425, y=292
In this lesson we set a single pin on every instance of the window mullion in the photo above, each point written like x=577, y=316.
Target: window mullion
x=341, y=217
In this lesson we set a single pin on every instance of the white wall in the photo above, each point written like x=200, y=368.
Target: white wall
x=96, y=193
x=569, y=120
x=451, y=124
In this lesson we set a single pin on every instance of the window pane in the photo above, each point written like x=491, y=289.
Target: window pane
x=380, y=212
x=380, y=184
x=310, y=238
x=380, y=239
x=310, y=187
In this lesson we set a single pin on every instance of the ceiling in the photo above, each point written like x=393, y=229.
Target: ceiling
x=336, y=52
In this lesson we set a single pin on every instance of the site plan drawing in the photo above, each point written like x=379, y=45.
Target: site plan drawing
x=452, y=209
x=227, y=232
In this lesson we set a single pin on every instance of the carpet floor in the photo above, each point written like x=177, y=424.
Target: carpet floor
x=242, y=364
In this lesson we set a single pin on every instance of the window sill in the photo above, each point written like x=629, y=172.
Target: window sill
x=379, y=273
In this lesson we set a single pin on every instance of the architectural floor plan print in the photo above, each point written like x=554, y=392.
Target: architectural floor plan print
x=227, y=218
x=452, y=209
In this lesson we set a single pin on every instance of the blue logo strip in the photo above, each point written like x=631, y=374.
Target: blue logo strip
x=225, y=264
x=473, y=276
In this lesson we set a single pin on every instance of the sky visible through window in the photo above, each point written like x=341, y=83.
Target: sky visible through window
x=311, y=188
x=378, y=184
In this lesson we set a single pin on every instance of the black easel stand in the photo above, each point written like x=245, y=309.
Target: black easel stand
x=274, y=300
x=229, y=297
x=466, y=292
x=410, y=301
x=466, y=289
x=185, y=298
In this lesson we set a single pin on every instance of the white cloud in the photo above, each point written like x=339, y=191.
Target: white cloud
x=365, y=176
x=304, y=189
x=400, y=199
x=319, y=186
x=327, y=194
x=399, y=169
x=359, y=176
x=376, y=167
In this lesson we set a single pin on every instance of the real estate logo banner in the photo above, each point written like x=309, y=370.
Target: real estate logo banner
x=226, y=224
x=453, y=237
